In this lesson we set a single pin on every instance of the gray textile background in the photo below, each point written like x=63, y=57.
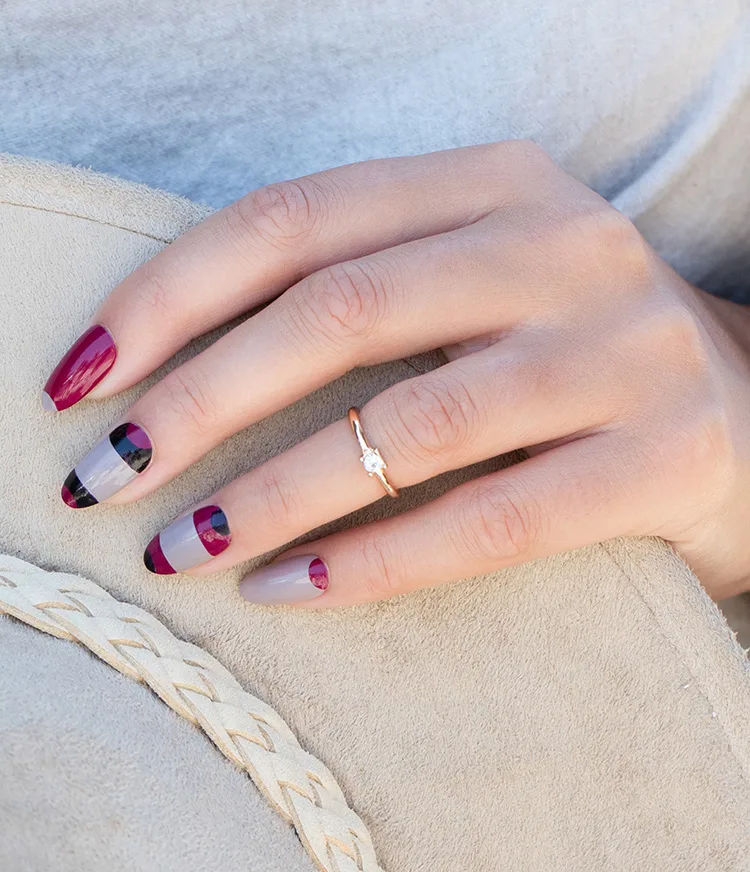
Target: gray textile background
x=646, y=101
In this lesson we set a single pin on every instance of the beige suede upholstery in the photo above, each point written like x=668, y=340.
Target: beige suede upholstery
x=589, y=711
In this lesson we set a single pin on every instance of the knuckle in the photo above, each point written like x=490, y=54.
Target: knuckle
x=683, y=329
x=280, y=214
x=432, y=418
x=280, y=498
x=621, y=250
x=616, y=234
x=343, y=302
x=601, y=247
x=586, y=226
x=380, y=577
x=667, y=330
x=189, y=399
x=502, y=525
x=704, y=445
x=676, y=331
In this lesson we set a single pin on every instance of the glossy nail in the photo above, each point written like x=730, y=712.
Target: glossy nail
x=83, y=367
x=108, y=467
x=287, y=581
x=188, y=541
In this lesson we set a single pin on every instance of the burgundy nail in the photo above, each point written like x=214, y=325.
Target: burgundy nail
x=83, y=367
x=188, y=541
x=293, y=580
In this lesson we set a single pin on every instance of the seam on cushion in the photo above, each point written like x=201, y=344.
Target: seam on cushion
x=739, y=757
x=95, y=196
x=85, y=218
x=413, y=362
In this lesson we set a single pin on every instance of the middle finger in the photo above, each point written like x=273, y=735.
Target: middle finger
x=387, y=305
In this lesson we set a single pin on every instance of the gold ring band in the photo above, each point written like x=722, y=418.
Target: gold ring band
x=373, y=463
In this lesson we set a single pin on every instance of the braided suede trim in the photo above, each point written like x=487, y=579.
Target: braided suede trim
x=196, y=686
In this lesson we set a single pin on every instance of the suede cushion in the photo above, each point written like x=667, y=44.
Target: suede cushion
x=589, y=711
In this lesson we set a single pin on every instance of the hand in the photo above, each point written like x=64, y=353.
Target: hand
x=565, y=334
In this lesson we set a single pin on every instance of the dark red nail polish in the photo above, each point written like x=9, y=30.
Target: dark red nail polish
x=82, y=368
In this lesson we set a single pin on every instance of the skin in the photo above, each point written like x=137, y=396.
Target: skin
x=565, y=334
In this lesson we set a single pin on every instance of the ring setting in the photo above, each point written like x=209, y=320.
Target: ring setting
x=371, y=459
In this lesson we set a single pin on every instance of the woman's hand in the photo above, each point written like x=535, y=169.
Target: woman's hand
x=565, y=334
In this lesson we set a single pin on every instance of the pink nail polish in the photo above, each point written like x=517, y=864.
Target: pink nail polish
x=293, y=580
x=83, y=367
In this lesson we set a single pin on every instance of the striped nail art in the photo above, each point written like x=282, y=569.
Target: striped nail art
x=188, y=541
x=86, y=363
x=108, y=467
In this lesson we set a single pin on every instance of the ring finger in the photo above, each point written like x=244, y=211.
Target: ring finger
x=444, y=420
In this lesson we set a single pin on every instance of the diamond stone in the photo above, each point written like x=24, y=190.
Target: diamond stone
x=372, y=461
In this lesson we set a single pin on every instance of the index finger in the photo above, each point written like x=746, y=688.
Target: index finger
x=251, y=251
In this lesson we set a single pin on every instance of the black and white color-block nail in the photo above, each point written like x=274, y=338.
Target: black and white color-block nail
x=108, y=467
x=189, y=541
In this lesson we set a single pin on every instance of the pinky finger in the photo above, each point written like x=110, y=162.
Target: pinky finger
x=559, y=500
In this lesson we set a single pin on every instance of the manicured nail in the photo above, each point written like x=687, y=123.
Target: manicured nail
x=287, y=581
x=82, y=368
x=188, y=541
x=108, y=467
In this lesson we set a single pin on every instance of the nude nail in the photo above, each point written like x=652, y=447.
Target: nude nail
x=189, y=541
x=85, y=364
x=108, y=467
x=293, y=580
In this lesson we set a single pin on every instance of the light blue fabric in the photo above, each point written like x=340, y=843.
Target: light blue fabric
x=647, y=101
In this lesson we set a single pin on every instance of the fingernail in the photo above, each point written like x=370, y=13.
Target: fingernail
x=108, y=467
x=287, y=581
x=188, y=541
x=83, y=367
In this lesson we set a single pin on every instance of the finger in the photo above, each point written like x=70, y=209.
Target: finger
x=249, y=252
x=380, y=307
x=443, y=420
x=557, y=501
